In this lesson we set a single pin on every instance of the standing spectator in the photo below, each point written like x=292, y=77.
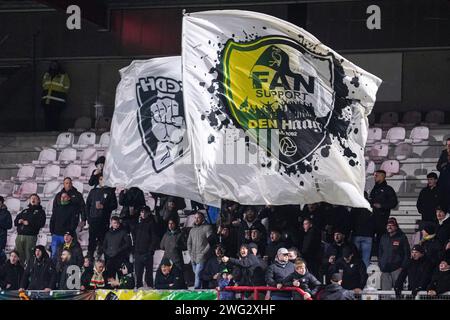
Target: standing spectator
x=363, y=230
x=97, y=172
x=131, y=200
x=248, y=269
x=146, y=242
x=64, y=218
x=249, y=221
x=334, y=290
x=100, y=203
x=198, y=246
x=302, y=279
x=443, y=227
x=55, y=85
x=169, y=278
x=317, y=214
x=430, y=243
x=382, y=199
x=275, y=243
x=225, y=279
x=277, y=272
x=353, y=269
x=213, y=267
x=71, y=244
x=440, y=282
x=76, y=198
x=174, y=243
x=11, y=273
x=231, y=214
x=170, y=210
x=311, y=246
x=116, y=246
x=429, y=199
x=227, y=238
x=29, y=222
x=5, y=225
x=40, y=272
x=443, y=158
x=418, y=270
x=393, y=254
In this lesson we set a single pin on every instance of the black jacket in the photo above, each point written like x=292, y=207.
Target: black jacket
x=427, y=202
x=363, y=223
x=107, y=197
x=116, y=242
x=383, y=194
x=35, y=216
x=335, y=292
x=443, y=231
x=12, y=275
x=39, y=274
x=247, y=226
x=354, y=273
x=443, y=160
x=175, y=277
x=76, y=253
x=134, y=197
x=419, y=274
x=173, y=244
x=433, y=248
x=146, y=237
x=249, y=270
x=311, y=245
x=213, y=266
x=76, y=198
x=62, y=276
x=64, y=218
x=440, y=282
x=5, y=225
x=308, y=282
x=394, y=251
x=272, y=249
x=341, y=219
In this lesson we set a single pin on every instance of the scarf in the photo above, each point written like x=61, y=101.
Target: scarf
x=97, y=280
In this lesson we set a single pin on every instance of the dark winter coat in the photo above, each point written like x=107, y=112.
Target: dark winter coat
x=354, y=273
x=107, y=197
x=117, y=242
x=35, y=216
x=308, y=282
x=249, y=270
x=427, y=202
x=76, y=253
x=363, y=223
x=443, y=231
x=64, y=218
x=383, y=194
x=146, y=237
x=39, y=273
x=440, y=282
x=133, y=197
x=12, y=275
x=335, y=292
x=419, y=274
x=394, y=251
x=212, y=267
x=76, y=198
x=276, y=273
x=175, y=277
x=173, y=244
x=5, y=225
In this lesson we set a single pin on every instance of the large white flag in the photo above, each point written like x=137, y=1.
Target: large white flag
x=274, y=116
x=149, y=148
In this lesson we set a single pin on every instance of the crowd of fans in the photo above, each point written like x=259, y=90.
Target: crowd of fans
x=323, y=249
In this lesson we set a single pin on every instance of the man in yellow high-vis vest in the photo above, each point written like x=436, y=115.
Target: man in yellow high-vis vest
x=55, y=85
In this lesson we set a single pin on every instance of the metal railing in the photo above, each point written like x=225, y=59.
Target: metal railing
x=256, y=290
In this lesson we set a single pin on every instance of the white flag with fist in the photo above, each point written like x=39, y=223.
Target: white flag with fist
x=149, y=148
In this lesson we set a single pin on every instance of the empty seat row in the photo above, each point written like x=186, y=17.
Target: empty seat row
x=397, y=135
x=411, y=118
x=392, y=167
x=53, y=171
x=66, y=156
x=67, y=139
x=50, y=188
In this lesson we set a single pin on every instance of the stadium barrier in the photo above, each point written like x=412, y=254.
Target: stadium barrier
x=256, y=290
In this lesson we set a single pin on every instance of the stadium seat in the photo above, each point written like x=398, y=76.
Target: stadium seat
x=370, y=168
x=389, y=118
x=418, y=135
x=11, y=241
x=83, y=238
x=88, y=156
x=82, y=124
x=87, y=173
x=45, y=157
x=395, y=135
x=72, y=171
x=49, y=206
x=391, y=167
x=411, y=118
x=50, y=189
x=434, y=117
x=186, y=257
x=6, y=188
x=13, y=205
x=42, y=239
x=374, y=134
x=85, y=139
x=24, y=173
x=67, y=156
x=378, y=151
x=51, y=171
x=25, y=190
x=64, y=140
x=105, y=139
x=403, y=151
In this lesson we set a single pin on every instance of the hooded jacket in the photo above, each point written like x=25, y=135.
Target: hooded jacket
x=105, y=196
x=39, y=273
x=198, y=244
x=35, y=216
x=64, y=218
x=173, y=243
x=76, y=198
x=117, y=241
x=335, y=292
x=394, y=251
x=5, y=225
x=12, y=275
